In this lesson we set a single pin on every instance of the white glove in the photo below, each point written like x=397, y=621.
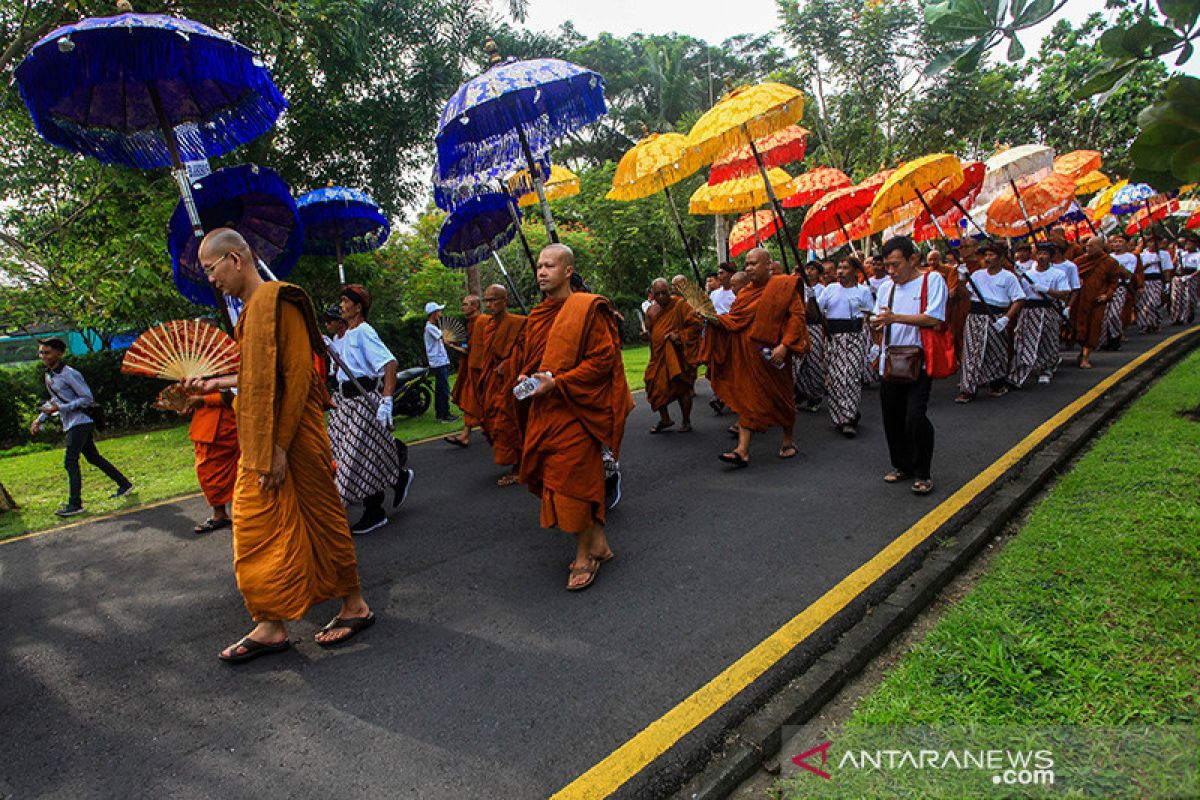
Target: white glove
x=1000, y=324
x=384, y=415
x=874, y=352
x=962, y=270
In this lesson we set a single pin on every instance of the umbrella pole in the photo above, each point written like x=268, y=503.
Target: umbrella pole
x=846, y=233
x=551, y=231
x=511, y=286
x=337, y=249
x=516, y=218
x=762, y=169
x=946, y=239
x=682, y=236
x=1024, y=213
x=967, y=217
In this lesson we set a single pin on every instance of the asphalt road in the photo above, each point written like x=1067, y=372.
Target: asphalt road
x=484, y=678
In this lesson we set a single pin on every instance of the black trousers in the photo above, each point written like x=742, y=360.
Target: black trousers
x=80, y=443
x=909, y=431
x=441, y=391
x=374, y=502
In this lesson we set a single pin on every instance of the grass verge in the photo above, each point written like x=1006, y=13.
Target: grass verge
x=1086, y=622
x=160, y=463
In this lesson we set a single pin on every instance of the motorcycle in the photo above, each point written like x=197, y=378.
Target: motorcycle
x=414, y=392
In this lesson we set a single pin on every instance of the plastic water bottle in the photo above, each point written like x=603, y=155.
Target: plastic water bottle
x=766, y=354
x=526, y=387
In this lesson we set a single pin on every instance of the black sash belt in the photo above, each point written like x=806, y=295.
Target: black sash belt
x=1039, y=303
x=1152, y=276
x=983, y=308
x=348, y=390
x=833, y=326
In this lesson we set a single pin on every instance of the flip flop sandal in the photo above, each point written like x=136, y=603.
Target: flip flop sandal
x=661, y=426
x=209, y=525
x=254, y=649
x=607, y=557
x=356, y=625
x=790, y=449
x=895, y=476
x=922, y=487
x=732, y=430
x=735, y=459
x=507, y=480
x=454, y=440
x=593, y=566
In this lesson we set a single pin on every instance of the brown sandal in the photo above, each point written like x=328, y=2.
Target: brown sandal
x=508, y=480
x=593, y=566
x=895, y=476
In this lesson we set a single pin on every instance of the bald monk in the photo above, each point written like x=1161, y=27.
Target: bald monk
x=739, y=281
x=292, y=546
x=571, y=345
x=466, y=393
x=213, y=431
x=768, y=327
x=498, y=376
x=677, y=284
x=670, y=374
x=1099, y=277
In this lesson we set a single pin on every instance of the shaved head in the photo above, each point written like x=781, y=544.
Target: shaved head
x=228, y=263
x=555, y=266
x=495, y=300
x=561, y=253
x=758, y=266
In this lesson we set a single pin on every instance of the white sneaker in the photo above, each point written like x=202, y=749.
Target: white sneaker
x=1043, y=378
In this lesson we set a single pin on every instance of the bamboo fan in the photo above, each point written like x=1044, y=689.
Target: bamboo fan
x=454, y=331
x=172, y=398
x=182, y=349
x=698, y=299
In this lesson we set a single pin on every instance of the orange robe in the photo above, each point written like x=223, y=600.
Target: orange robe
x=763, y=316
x=578, y=342
x=1098, y=277
x=292, y=546
x=500, y=421
x=670, y=375
x=467, y=391
x=213, y=432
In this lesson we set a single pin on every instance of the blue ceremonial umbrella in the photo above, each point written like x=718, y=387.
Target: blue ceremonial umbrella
x=339, y=220
x=511, y=114
x=449, y=193
x=252, y=200
x=475, y=230
x=1131, y=197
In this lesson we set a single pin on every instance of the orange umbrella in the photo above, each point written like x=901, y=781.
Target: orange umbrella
x=1157, y=211
x=777, y=149
x=1077, y=163
x=751, y=231
x=1020, y=210
x=813, y=184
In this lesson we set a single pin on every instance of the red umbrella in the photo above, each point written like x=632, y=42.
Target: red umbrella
x=877, y=180
x=813, y=184
x=857, y=228
x=1193, y=221
x=950, y=207
x=781, y=147
x=752, y=230
x=1157, y=212
x=833, y=212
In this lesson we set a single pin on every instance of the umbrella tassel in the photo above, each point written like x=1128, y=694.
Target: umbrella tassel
x=337, y=250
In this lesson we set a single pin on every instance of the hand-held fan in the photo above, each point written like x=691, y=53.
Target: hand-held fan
x=698, y=299
x=182, y=349
x=453, y=330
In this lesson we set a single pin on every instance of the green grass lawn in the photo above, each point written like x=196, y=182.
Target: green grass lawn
x=160, y=463
x=1088, y=617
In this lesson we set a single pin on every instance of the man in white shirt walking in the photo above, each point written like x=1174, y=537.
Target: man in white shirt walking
x=722, y=297
x=986, y=350
x=439, y=362
x=843, y=305
x=1037, y=330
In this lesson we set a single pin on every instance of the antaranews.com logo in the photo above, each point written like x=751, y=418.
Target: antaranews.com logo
x=1008, y=767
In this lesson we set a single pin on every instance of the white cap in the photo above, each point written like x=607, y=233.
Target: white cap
x=431, y=307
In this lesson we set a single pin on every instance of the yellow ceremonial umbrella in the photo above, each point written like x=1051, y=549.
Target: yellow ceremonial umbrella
x=561, y=183
x=742, y=117
x=902, y=196
x=1102, y=203
x=738, y=195
x=654, y=164
x=1094, y=181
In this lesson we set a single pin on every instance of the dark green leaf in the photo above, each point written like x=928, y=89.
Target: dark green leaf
x=1163, y=181
x=1170, y=114
x=1146, y=37
x=969, y=60
x=959, y=19
x=1016, y=51
x=944, y=59
x=1183, y=89
x=1035, y=12
x=1163, y=136
x=1151, y=155
x=1182, y=12
x=1112, y=44
x=1104, y=78
x=1185, y=53
x=1185, y=162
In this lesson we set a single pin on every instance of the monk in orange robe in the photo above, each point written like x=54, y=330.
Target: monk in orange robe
x=768, y=323
x=292, y=546
x=466, y=393
x=213, y=432
x=572, y=347
x=501, y=424
x=670, y=375
x=1099, y=276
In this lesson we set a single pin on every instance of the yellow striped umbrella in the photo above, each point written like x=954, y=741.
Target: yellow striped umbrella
x=561, y=183
x=738, y=195
x=1094, y=181
x=902, y=195
x=1102, y=203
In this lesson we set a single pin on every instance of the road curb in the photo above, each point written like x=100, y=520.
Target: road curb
x=758, y=738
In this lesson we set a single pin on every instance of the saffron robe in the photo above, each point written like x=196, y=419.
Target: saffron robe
x=1098, y=277
x=577, y=341
x=501, y=423
x=292, y=546
x=213, y=431
x=763, y=316
x=670, y=375
x=467, y=394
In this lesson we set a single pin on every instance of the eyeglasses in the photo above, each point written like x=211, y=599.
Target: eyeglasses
x=209, y=268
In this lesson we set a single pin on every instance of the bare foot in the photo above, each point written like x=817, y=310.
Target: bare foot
x=508, y=480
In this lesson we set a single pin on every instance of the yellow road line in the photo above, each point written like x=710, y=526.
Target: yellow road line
x=639, y=752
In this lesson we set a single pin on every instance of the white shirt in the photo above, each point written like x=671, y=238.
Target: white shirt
x=435, y=349
x=838, y=302
x=907, y=300
x=1156, y=262
x=722, y=299
x=646, y=306
x=1025, y=266
x=363, y=351
x=999, y=291
x=1041, y=281
x=875, y=283
x=1127, y=260
x=1071, y=271
x=1189, y=261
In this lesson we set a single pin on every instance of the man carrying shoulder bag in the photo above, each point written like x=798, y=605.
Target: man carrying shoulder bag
x=906, y=302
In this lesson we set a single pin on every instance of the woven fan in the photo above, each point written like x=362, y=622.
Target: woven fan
x=182, y=349
x=454, y=331
x=698, y=299
x=172, y=398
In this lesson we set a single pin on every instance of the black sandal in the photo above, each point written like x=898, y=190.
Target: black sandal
x=661, y=426
x=454, y=440
x=356, y=626
x=254, y=649
x=212, y=524
x=734, y=458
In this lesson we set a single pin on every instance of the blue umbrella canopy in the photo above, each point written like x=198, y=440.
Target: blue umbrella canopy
x=339, y=214
x=1132, y=197
x=542, y=99
x=449, y=193
x=108, y=86
x=480, y=226
x=252, y=200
